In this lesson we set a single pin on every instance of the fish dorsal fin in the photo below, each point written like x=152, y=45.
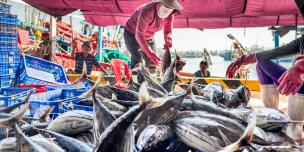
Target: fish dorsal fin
x=155, y=102
x=245, y=139
x=144, y=96
x=13, y=120
x=177, y=55
x=114, y=97
x=71, y=106
x=190, y=88
x=14, y=106
x=45, y=117
x=84, y=70
x=88, y=93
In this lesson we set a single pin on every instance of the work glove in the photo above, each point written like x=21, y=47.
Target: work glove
x=168, y=43
x=292, y=80
x=153, y=57
x=243, y=60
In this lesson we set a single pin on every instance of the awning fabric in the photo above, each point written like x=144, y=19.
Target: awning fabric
x=202, y=14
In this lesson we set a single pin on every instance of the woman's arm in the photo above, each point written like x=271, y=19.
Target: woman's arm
x=289, y=49
x=141, y=27
x=168, y=32
x=73, y=53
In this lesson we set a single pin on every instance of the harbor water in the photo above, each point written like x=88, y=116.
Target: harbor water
x=219, y=66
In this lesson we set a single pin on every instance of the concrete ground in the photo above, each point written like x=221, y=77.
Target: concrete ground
x=256, y=102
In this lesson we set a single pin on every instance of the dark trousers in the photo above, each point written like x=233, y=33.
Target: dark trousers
x=135, y=51
x=270, y=72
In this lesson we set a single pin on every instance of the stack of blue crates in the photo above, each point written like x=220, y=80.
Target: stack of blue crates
x=9, y=53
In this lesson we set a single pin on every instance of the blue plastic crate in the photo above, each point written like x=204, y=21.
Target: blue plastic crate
x=54, y=99
x=35, y=71
x=10, y=96
x=8, y=28
x=8, y=69
x=5, y=8
x=6, y=80
x=71, y=90
x=85, y=108
x=10, y=57
x=9, y=47
x=6, y=39
x=8, y=18
x=77, y=107
x=78, y=86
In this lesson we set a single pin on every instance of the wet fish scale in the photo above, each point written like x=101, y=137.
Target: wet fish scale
x=169, y=80
x=151, y=83
x=24, y=144
x=72, y=122
x=102, y=117
x=8, y=144
x=107, y=141
x=264, y=117
x=125, y=94
x=166, y=61
x=67, y=143
x=197, y=141
x=203, y=134
x=86, y=137
x=153, y=137
x=228, y=122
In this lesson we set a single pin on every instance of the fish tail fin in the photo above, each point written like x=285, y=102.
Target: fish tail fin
x=71, y=106
x=14, y=106
x=45, y=117
x=245, y=139
x=94, y=95
x=190, y=88
x=144, y=96
x=84, y=70
x=177, y=55
x=114, y=97
x=87, y=94
x=11, y=121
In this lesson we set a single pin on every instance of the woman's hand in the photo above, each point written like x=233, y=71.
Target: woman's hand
x=292, y=80
x=243, y=60
x=153, y=57
x=168, y=44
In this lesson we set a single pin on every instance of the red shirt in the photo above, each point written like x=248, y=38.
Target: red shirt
x=145, y=22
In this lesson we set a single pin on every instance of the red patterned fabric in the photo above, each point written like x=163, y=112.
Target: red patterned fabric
x=196, y=14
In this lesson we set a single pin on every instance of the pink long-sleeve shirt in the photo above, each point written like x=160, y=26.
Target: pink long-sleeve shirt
x=145, y=22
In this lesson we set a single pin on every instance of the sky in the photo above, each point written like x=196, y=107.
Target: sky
x=216, y=39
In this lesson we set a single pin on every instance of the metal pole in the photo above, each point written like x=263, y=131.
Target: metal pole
x=72, y=33
x=53, y=34
x=296, y=26
x=100, y=43
x=276, y=42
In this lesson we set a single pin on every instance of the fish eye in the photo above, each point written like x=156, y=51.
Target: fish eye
x=151, y=138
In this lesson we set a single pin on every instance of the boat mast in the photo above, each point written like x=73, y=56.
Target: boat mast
x=53, y=34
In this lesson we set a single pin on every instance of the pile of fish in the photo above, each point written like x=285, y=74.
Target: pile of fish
x=150, y=116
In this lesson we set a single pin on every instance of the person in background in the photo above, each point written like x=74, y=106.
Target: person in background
x=275, y=79
x=144, y=23
x=180, y=65
x=86, y=29
x=84, y=56
x=203, y=72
